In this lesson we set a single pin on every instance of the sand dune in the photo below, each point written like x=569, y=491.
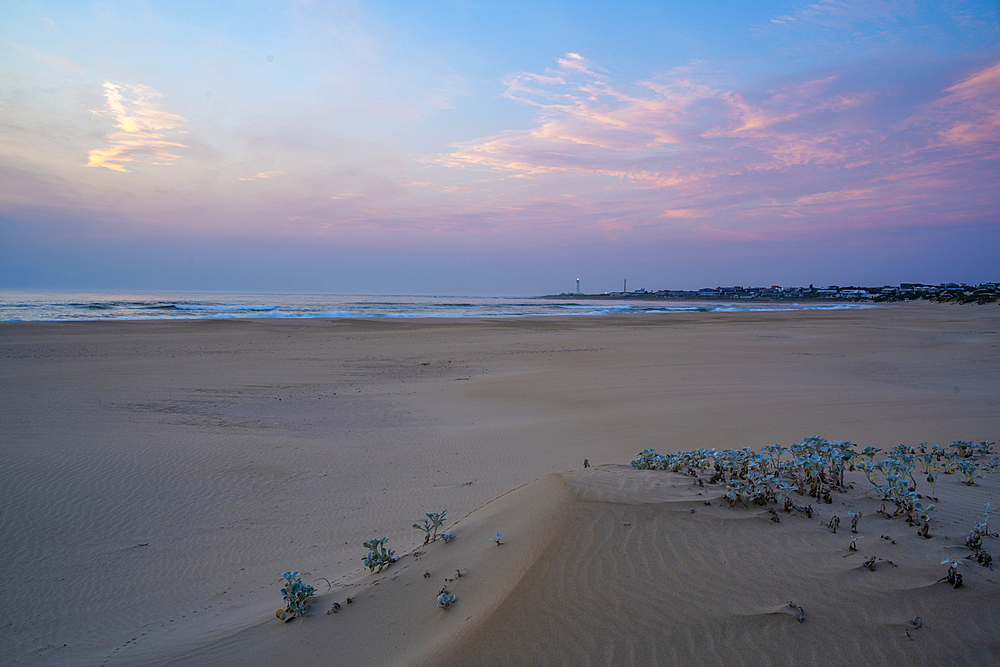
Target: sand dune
x=158, y=476
x=640, y=578
x=618, y=566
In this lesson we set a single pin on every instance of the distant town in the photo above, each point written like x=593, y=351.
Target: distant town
x=946, y=292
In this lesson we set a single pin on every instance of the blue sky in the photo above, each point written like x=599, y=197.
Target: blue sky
x=497, y=148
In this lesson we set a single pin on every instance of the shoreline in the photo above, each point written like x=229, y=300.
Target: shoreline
x=202, y=458
x=136, y=307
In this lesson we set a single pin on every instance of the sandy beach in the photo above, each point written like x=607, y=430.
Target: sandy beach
x=157, y=478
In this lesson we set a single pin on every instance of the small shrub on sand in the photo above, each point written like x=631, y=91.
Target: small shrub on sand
x=817, y=467
x=431, y=524
x=953, y=577
x=974, y=540
x=378, y=557
x=918, y=513
x=496, y=539
x=444, y=598
x=297, y=597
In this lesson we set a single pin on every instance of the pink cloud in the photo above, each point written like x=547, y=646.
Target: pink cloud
x=810, y=150
x=681, y=213
x=979, y=98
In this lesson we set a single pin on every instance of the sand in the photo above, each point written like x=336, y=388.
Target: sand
x=157, y=477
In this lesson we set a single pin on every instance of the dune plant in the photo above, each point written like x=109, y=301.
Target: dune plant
x=985, y=525
x=774, y=452
x=444, y=598
x=974, y=540
x=855, y=515
x=923, y=513
x=783, y=491
x=378, y=557
x=930, y=463
x=953, y=577
x=968, y=468
x=950, y=462
x=984, y=558
x=987, y=468
x=431, y=524
x=870, y=452
x=496, y=539
x=734, y=491
x=853, y=546
x=296, y=595
x=932, y=479
x=647, y=459
x=759, y=487
x=868, y=468
x=447, y=537
x=963, y=448
x=816, y=467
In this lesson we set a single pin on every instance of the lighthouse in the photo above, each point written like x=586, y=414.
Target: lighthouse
x=577, y=285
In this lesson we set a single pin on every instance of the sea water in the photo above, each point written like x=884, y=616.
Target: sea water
x=60, y=306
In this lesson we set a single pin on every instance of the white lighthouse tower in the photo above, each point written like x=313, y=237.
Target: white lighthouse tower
x=577, y=285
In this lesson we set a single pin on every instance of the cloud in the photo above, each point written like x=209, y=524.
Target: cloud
x=143, y=128
x=347, y=195
x=969, y=111
x=670, y=131
x=681, y=213
x=824, y=28
x=260, y=174
x=53, y=60
x=834, y=143
x=838, y=14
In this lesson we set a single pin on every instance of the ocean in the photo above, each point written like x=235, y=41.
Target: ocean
x=53, y=306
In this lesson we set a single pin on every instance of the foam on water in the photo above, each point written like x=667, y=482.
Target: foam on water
x=61, y=306
x=185, y=306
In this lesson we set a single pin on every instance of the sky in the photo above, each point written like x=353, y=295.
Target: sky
x=497, y=148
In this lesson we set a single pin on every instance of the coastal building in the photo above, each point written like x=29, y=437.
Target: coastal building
x=963, y=293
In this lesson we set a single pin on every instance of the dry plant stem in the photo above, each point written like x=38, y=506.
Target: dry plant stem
x=807, y=510
x=802, y=613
